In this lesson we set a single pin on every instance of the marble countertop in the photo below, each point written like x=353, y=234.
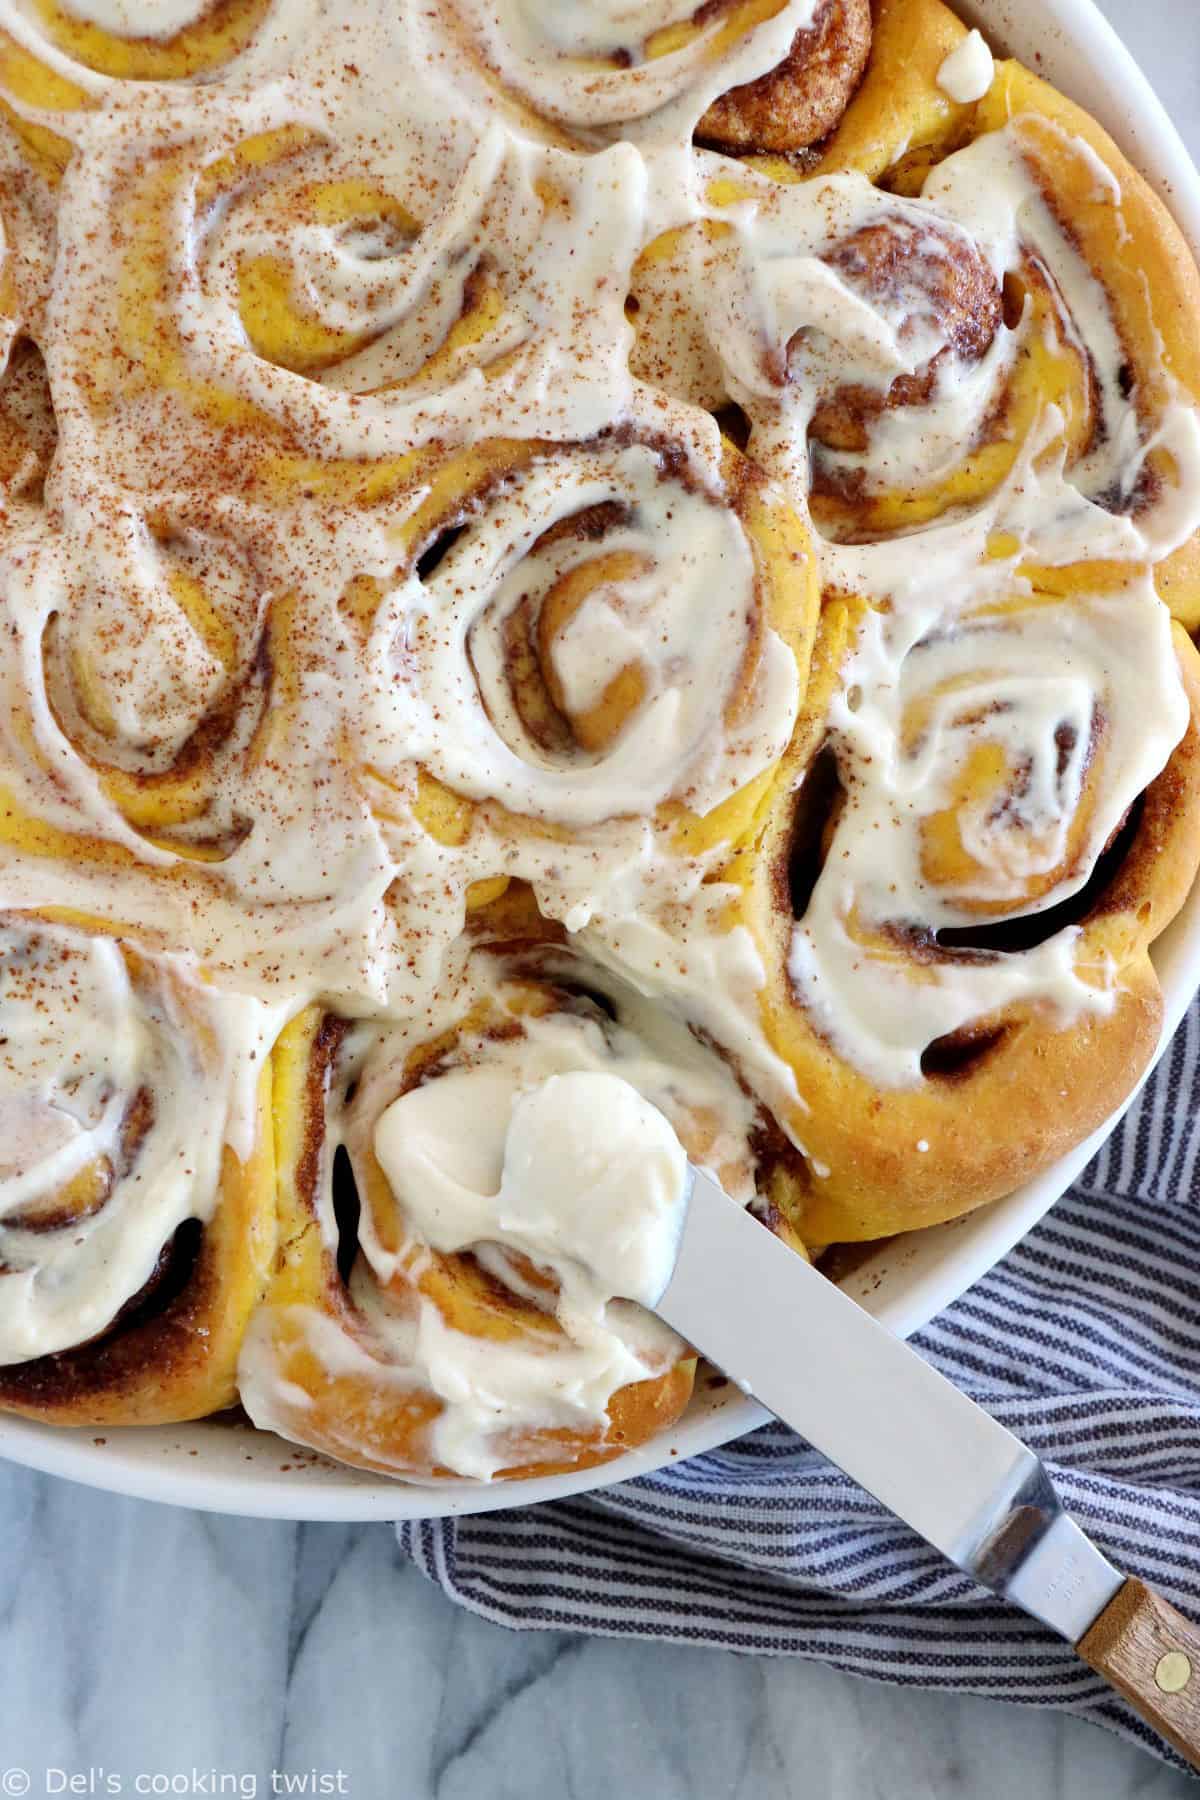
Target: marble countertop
x=141, y=1641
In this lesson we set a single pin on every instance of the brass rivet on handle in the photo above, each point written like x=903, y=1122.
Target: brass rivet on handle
x=1173, y=1672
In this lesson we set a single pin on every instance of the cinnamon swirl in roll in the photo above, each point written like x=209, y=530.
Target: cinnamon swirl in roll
x=137, y=1198
x=592, y=658
x=751, y=75
x=581, y=586
x=798, y=102
x=1041, y=834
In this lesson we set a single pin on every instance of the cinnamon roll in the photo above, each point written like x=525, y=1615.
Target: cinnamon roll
x=593, y=653
x=155, y=688
x=418, y=1323
x=761, y=75
x=137, y=1199
x=1041, y=835
x=905, y=357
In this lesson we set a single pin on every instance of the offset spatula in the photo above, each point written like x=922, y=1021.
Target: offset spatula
x=869, y=1403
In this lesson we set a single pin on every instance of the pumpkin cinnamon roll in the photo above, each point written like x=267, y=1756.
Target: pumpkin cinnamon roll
x=335, y=276
x=906, y=346
x=416, y=1324
x=752, y=75
x=590, y=663
x=962, y=1010
x=136, y=1188
x=164, y=727
x=297, y=336
x=157, y=666
x=1097, y=373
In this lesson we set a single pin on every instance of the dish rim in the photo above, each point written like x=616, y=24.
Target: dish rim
x=219, y=1466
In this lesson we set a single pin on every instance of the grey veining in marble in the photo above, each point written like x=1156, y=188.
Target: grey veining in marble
x=142, y=1646
x=142, y=1641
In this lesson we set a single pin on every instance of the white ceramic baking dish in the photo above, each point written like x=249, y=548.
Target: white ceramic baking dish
x=228, y=1467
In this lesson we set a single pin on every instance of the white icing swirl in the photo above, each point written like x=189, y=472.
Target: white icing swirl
x=678, y=611
x=123, y=1081
x=612, y=64
x=1070, y=695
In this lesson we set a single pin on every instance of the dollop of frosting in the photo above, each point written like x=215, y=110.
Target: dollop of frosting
x=580, y=1174
x=967, y=73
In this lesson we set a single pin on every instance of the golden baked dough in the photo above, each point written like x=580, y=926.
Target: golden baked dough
x=139, y=1136
x=323, y=1360
x=882, y=1160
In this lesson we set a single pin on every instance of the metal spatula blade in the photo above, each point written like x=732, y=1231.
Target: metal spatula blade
x=810, y=1354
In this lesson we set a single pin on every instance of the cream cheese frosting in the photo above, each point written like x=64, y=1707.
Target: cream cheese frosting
x=579, y=1169
x=573, y=1161
x=122, y=1085
x=966, y=74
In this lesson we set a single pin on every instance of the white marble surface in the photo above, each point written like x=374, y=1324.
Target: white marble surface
x=144, y=1641
x=137, y=1641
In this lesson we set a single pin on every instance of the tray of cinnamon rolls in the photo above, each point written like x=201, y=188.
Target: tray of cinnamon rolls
x=537, y=539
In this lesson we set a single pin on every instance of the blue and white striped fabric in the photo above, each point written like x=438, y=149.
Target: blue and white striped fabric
x=1085, y=1341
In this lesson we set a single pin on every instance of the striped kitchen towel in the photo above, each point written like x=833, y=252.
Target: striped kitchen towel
x=1085, y=1341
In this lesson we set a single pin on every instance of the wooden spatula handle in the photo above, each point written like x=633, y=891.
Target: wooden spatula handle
x=1151, y=1654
